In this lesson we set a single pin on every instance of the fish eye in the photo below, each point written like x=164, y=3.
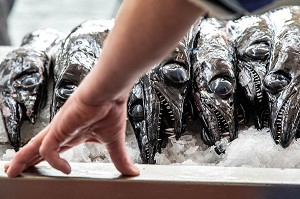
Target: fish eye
x=65, y=91
x=78, y=42
x=175, y=73
x=92, y=54
x=275, y=82
x=28, y=81
x=6, y=93
x=137, y=112
x=258, y=51
x=222, y=87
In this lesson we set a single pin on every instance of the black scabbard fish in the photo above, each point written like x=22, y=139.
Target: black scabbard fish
x=158, y=105
x=76, y=58
x=214, y=82
x=252, y=37
x=282, y=81
x=24, y=74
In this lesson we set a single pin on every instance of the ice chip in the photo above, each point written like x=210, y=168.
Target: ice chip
x=9, y=154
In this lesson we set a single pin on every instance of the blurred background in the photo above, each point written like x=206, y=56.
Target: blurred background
x=63, y=15
x=30, y=15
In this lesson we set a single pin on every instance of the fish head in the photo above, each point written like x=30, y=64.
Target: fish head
x=138, y=115
x=253, y=43
x=78, y=60
x=157, y=103
x=214, y=82
x=282, y=84
x=79, y=53
x=23, y=75
x=47, y=40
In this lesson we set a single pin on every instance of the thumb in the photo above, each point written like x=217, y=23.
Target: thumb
x=121, y=159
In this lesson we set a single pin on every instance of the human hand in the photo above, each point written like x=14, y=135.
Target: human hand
x=98, y=113
x=75, y=123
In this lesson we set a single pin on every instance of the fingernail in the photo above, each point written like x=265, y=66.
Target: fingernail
x=67, y=169
x=6, y=167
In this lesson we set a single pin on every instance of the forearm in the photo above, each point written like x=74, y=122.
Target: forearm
x=145, y=31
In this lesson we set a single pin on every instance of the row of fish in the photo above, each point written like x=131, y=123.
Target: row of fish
x=44, y=57
x=222, y=76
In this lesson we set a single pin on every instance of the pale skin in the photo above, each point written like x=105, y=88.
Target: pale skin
x=144, y=32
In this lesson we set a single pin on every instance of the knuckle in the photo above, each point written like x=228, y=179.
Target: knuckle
x=43, y=151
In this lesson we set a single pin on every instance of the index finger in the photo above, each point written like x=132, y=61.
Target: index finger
x=26, y=155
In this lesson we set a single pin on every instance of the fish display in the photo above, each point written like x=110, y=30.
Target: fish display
x=223, y=76
x=243, y=72
x=77, y=55
x=214, y=82
x=159, y=104
x=282, y=81
x=46, y=40
x=252, y=38
x=23, y=82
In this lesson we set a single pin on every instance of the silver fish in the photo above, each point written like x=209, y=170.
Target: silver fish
x=158, y=104
x=282, y=81
x=214, y=81
x=252, y=38
x=78, y=54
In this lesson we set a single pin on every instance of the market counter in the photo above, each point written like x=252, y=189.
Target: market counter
x=102, y=180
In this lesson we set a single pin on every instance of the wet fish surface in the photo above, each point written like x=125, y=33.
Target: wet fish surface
x=77, y=56
x=24, y=73
x=158, y=106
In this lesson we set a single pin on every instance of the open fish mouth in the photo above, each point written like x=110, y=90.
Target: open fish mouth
x=216, y=131
x=148, y=152
x=283, y=133
x=257, y=83
x=255, y=97
x=265, y=115
x=166, y=120
x=278, y=124
x=215, y=126
x=285, y=126
x=241, y=115
x=223, y=127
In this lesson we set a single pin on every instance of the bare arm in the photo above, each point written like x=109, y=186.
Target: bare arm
x=145, y=31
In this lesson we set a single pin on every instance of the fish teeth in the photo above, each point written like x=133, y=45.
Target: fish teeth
x=226, y=134
x=169, y=133
x=170, y=129
x=172, y=136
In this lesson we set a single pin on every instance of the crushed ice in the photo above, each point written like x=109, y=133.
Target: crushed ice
x=251, y=149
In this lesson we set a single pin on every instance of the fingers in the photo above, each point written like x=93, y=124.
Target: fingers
x=36, y=151
x=49, y=150
x=120, y=158
x=26, y=156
